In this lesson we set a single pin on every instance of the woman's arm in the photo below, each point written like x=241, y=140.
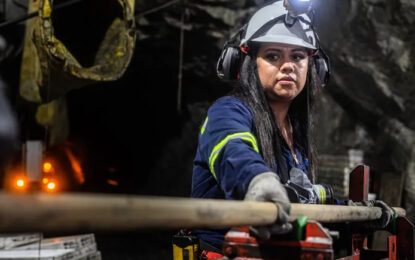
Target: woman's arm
x=228, y=147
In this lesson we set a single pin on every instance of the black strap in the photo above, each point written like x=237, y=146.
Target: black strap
x=235, y=40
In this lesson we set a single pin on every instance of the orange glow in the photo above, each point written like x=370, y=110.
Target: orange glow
x=76, y=166
x=112, y=182
x=51, y=186
x=45, y=180
x=47, y=167
x=16, y=180
x=20, y=183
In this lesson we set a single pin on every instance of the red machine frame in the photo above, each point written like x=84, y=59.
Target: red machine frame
x=310, y=240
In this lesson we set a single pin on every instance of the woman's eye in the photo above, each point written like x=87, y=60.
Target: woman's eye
x=298, y=56
x=272, y=57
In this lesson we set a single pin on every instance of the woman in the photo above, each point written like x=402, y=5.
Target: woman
x=257, y=138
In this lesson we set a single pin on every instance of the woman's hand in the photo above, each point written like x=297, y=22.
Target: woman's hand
x=378, y=224
x=267, y=187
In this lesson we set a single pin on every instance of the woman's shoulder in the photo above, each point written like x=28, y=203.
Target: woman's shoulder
x=230, y=102
x=229, y=109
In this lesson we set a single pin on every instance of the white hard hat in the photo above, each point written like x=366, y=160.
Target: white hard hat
x=269, y=24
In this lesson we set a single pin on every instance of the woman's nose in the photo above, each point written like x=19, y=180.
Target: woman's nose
x=287, y=66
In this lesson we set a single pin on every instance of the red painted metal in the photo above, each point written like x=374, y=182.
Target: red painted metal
x=359, y=242
x=352, y=257
x=392, y=248
x=405, y=239
x=208, y=255
x=317, y=244
x=358, y=191
x=400, y=246
x=359, y=183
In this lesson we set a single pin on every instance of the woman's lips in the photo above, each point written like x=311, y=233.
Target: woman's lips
x=286, y=80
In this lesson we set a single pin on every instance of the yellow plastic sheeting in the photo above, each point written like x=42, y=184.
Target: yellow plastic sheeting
x=50, y=69
x=54, y=116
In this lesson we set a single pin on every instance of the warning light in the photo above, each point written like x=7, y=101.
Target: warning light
x=20, y=183
x=51, y=185
x=47, y=167
x=45, y=180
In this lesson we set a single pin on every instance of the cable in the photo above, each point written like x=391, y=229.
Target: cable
x=63, y=5
x=180, y=75
x=18, y=20
x=19, y=4
x=156, y=9
x=34, y=14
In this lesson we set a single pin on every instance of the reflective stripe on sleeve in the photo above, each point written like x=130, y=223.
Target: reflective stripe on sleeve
x=246, y=136
x=323, y=195
x=202, y=130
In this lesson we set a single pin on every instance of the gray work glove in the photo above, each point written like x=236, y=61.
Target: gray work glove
x=378, y=224
x=267, y=187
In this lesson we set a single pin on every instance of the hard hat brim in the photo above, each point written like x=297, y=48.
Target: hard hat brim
x=284, y=40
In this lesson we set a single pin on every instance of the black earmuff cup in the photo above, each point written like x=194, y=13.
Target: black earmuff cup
x=228, y=64
x=323, y=68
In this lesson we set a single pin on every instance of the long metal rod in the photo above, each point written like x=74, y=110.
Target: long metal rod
x=105, y=212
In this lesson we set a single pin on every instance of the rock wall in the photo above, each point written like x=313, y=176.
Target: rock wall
x=368, y=103
x=371, y=45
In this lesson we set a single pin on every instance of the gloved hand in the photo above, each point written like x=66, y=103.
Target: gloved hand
x=378, y=224
x=267, y=187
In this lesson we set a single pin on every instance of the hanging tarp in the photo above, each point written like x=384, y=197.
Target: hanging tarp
x=88, y=42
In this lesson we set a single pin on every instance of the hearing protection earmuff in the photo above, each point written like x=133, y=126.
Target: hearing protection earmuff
x=231, y=56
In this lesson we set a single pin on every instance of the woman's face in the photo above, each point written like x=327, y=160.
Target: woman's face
x=282, y=70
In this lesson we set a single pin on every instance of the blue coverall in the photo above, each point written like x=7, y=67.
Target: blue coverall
x=227, y=158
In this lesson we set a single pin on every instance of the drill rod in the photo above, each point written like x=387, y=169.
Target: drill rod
x=115, y=212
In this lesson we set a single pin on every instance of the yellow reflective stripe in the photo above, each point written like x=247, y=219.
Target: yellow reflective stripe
x=246, y=136
x=202, y=131
x=322, y=195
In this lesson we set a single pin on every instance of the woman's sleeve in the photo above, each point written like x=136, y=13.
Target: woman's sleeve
x=337, y=201
x=229, y=148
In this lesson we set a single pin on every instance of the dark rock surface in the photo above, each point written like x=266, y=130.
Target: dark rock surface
x=368, y=103
x=371, y=45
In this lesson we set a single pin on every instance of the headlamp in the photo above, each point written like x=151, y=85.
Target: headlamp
x=296, y=8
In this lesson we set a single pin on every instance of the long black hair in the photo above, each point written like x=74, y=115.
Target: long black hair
x=270, y=140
